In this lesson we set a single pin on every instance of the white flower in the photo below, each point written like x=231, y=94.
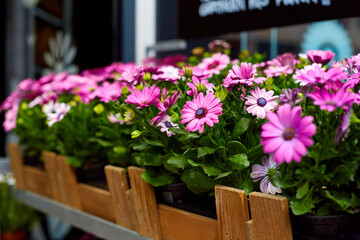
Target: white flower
x=55, y=112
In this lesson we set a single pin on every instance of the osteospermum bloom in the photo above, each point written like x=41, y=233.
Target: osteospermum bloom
x=289, y=96
x=166, y=124
x=262, y=172
x=164, y=106
x=320, y=56
x=214, y=64
x=282, y=64
x=261, y=102
x=132, y=75
x=287, y=134
x=167, y=73
x=108, y=92
x=343, y=129
x=197, y=84
x=330, y=101
x=55, y=112
x=315, y=74
x=201, y=110
x=115, y=118
x=145, y=97
x=244, y=75
x=10, y=118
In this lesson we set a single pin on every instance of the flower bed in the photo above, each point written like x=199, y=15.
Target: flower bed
x=290, y=124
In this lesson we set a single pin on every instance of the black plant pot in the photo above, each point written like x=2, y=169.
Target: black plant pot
x=334, y=227
x=175, y=192
x=92, y=174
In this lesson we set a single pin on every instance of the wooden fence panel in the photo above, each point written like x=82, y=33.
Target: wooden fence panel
x=17, y=165
x=52, y=172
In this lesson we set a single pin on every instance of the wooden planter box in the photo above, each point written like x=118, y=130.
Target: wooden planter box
x=136, y=208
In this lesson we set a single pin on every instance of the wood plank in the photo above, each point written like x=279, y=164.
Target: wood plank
x=145, y=205
x=37, y=181
x=232, y=211
x=96, y=201
x=118, y=186
x=52, y=171
x=17, y=165
x=177, y=224
x=133, y=216
x=270, y=217
x=68, y=183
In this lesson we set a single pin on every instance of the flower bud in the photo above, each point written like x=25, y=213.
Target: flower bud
x=99, y=108
x=135, y=134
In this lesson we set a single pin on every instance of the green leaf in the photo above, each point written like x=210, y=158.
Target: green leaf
x=158, y=178
x=302, y=191
x=202, y=151
x=340, y=200
x=120, y=150
x=102, y=142
x=74, y=161
x=236, y=147
x=178, y=131
x=239, y=161
x=188, y=136
x=301, y=206
x=241, y=126
x=154, y=143
x=208, y=169
x=255, y=153
x=197, y=181
x=191, y=153
x=178, y=161
x=225, y=174
x=343, y=174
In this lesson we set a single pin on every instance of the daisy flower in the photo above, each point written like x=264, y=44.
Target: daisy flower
x=166, y=124
x=108, y=92
x=201, y=110
x=196, y=84
x=10, y=118
x=284, y=63
x=315, y=74
x=167, y=73
x=214, y=64
x=330, y=101
x=261, y=102
x=145, y=97
x=55, y=112
x=132, y=75
x=287, y=134
x=115, y=118
x=320, y=56
x=343, y=129
x=164, y=106
x=262, y=172
x=244, y=75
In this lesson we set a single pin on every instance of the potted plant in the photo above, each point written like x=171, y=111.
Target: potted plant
x=16, y=219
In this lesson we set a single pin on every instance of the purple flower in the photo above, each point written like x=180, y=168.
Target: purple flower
x=29, y=88
x=173, y=60
x=287, y=134
x=164, y=107
x=107, y=92
x=343, y=129
x=284, y=63
x=244, y=75
x=289, y=96
x=10, y=118
x=145, y=97
x=132, y=76
x=196, y=84
x=12, y=100
x=218, y=46
x=167, y=73
x=332, y=100
x=166, y=124
x=320, y=56
x=262, y=172
x=214, y=64
x=261, y=102
x=315, y=74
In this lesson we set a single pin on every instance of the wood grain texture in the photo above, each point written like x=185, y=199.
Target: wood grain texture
x=118, y=186
x=145, y=205
x=233, y=213
x=17, y=165
x=52, y=172
x=96, y=201
x=68, y=183
x=133, y=216
x=270, y=217
x=37, y=180
x=177, y=224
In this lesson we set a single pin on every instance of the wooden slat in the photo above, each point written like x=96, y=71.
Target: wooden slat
x=96, y=201
x=37, y=181
x=118, y=186
x=133, y=216
x=233, y=213
x=270, y=217
x=177, y=224
x=52, y=171
x=17, y=165
x=68, y=183
x=145, y=205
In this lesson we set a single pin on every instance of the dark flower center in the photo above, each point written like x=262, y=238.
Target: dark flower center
x=168, y=124
x=261, y=102
x=145, y=102
x=213, y=65
x=288, y=134
x=200, y=113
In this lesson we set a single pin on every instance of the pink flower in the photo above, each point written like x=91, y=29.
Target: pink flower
x=174, y=60
x=287, y=134
x=261, y=102
x=133, y=75
x=201, y=74
x=167, y=73
x=289, y=96
x=320, y=56
x=10, y=118
x=315, y=74
x=331, y=101
x=284, y=63
x=275, y=71
x=261, y=172
x=166, y=124
x=29, y=88
x=218, y=45
x=244, y=75
x=115, y=118
x=108, y=92
x=196, y=84
x=214, y=64
x=12, y=100
x=343, y=129
x=44, y=98
x=145, y=97
x=55, y=112
x=164, y=106
x=201, y=110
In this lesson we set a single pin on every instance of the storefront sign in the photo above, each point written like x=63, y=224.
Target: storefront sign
x=203, y=18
